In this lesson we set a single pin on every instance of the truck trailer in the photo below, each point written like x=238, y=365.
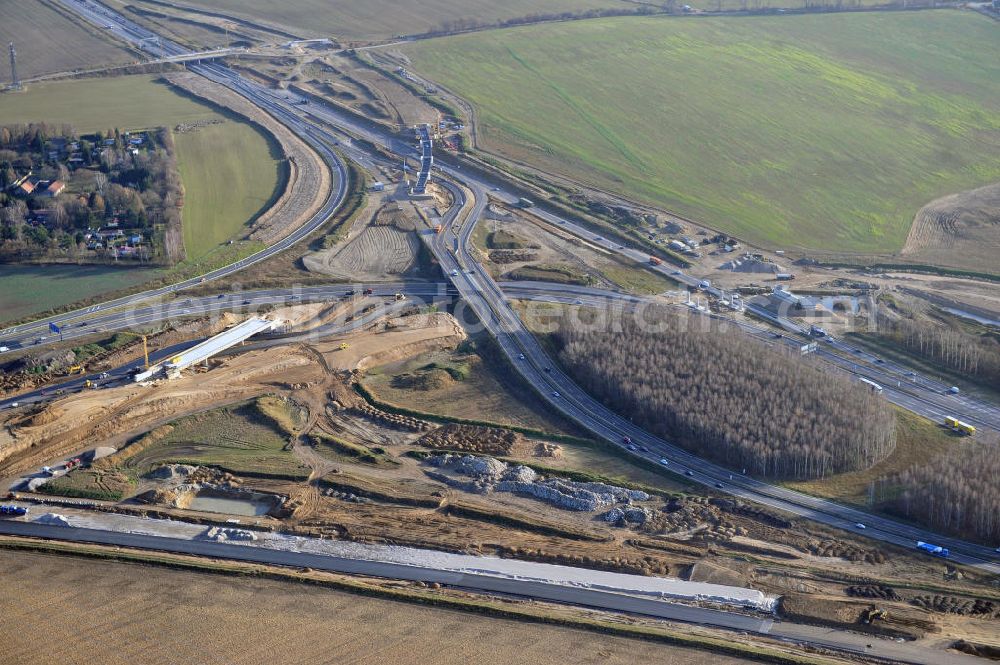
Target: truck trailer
x=936, y=550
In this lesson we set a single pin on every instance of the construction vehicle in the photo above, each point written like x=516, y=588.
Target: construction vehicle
x=437, y=228
x=76, y=369
x=400, y=296
x=956, y=425
x=655, y=260
x=73, y=463
x=368, y=292
x=343, y=346
x=936, y=550
x=15, y=511
x=88, y=384
x=873, y=614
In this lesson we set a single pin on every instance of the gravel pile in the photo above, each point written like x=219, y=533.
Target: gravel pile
x=486, y=474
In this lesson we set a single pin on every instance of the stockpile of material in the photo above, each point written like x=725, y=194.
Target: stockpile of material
x=486, y=474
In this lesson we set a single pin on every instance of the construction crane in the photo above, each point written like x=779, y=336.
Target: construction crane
x=145, y=351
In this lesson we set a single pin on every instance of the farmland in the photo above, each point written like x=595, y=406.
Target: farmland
x=129, y=102
x=382, y=19
x=47, y=41
x=305, y=623
x=31, y=289
x=822, y=132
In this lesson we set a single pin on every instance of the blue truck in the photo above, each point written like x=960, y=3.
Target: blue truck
x=936, y=550
x=10, y=509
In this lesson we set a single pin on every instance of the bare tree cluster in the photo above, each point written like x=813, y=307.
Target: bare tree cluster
x=733, y=399
x=957, y=492
x=950, y=346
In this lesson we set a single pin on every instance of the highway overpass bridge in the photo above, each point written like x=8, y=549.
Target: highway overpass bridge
x=212, y=346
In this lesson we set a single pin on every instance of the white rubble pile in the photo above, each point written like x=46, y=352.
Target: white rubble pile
x=626, y=515
x=222, y=533
x=55, y=519
x=491, y=475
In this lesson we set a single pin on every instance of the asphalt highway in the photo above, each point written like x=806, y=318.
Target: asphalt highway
x=486, y=299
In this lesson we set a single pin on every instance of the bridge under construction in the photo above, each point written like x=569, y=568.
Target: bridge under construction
x=212, y=346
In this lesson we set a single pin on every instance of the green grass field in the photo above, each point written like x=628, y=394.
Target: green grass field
x=28, y=290
x=825, y=132
x=47, y=41
x=230, y=174
x=382, y=19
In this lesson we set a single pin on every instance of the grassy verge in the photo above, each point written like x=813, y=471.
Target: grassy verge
x=480, y=605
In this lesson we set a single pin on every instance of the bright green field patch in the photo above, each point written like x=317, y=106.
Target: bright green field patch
x=230, y=174
x=823, y=132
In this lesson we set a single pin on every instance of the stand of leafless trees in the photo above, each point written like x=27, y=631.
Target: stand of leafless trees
x=733, y=399
x=952, y=347
x=958, y=493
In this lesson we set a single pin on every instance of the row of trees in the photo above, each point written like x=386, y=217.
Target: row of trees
x=732, y=399
x=957, y=493
x=950, y=346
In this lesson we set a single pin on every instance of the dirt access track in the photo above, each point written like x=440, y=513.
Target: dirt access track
x=309, y=183
x=111, y=416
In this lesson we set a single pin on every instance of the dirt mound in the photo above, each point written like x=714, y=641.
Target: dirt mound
x=378, y=252
x=431, y=379
x=961, y=230
x=954, y=605
x=395, y=420
x=512, y=255
x=834, y=548
x=879, y=591
x=472, y=438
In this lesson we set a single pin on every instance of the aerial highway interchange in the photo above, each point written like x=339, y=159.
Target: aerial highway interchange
x=328, y=131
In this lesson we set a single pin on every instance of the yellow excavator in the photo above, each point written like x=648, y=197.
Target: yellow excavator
x=76, y=369
x=343, y=346
x=873, y=614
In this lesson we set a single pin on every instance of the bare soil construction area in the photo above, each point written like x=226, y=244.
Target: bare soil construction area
x=515, y=245
x=111, y=415
x=194, y=617
x=386, y=248
x=961, y=230
x=309, y=182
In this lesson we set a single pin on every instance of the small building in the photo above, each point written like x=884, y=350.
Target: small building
x=378, y=186
x=25, y=187
x=55, y=188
